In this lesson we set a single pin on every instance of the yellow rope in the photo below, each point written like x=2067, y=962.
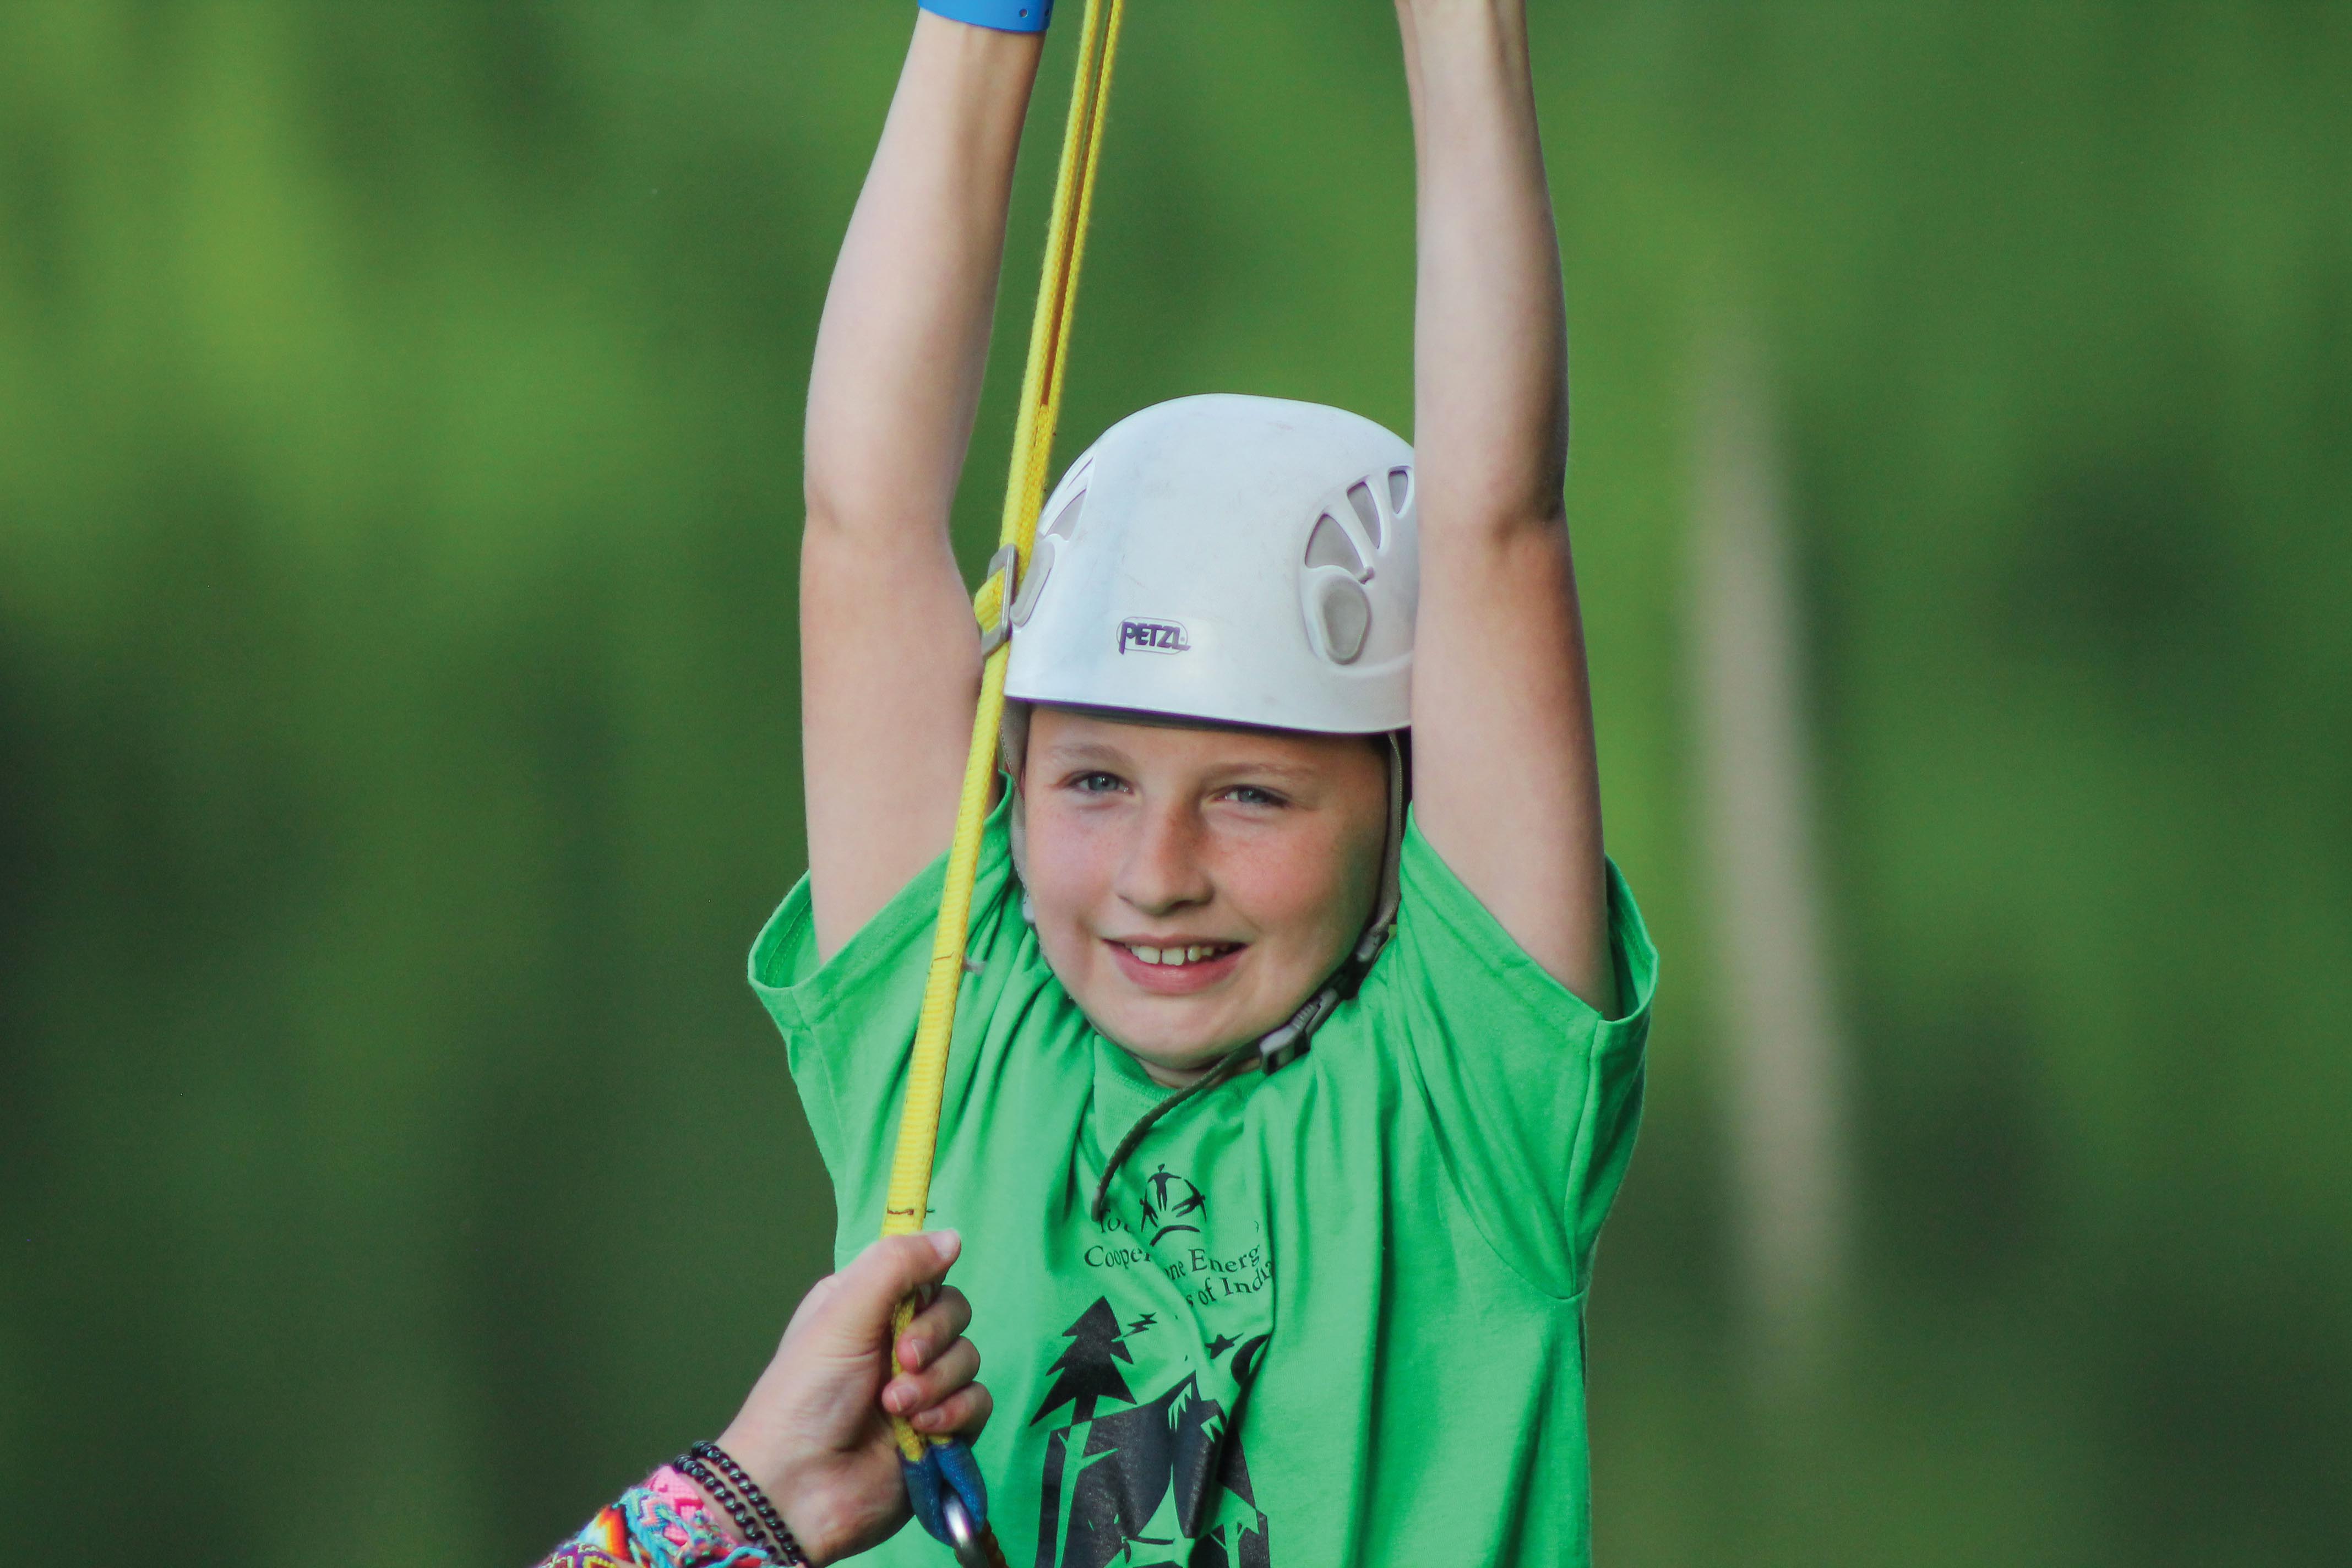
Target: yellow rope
x=1024, y=494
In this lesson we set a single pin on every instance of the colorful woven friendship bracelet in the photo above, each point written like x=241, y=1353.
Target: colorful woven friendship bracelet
x=661, y=1523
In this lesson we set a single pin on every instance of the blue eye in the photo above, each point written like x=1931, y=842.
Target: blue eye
x=1250, y=795
x=1095, y=783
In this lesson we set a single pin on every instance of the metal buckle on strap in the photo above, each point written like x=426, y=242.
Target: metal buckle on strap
x=1281, y=1049
x=1289, y=1043
x=1005, y=563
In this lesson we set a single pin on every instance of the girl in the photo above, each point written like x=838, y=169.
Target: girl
x=1282, y=1113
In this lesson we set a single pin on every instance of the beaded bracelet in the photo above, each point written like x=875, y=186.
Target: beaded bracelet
x=757, y=1519
x=786, y=1546
x=703, y=1475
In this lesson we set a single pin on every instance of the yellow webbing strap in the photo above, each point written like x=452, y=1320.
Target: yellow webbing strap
x=1025, y=493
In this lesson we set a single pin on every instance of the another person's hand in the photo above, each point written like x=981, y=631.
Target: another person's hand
x=815, y=1431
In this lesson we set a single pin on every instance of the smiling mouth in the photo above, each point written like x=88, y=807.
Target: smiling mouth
x=1179, y=957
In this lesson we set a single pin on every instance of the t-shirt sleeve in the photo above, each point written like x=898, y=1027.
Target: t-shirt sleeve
x=1532, y=1095
x=849, y=1023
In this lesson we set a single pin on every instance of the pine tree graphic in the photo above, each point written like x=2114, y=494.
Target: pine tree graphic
x=1086, y=1371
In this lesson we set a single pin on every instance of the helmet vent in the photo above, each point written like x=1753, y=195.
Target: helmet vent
x=1367, y=510
x=1399, y=490
x=1066, y=521
x=1344, y=615
x=1330, y=545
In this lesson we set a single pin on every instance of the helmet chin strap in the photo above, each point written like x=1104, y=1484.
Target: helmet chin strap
x=1281, y=1047
x=1285, y=1043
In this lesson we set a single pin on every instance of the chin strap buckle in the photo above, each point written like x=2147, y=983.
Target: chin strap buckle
x=1287, y=1043
x=1283, y=1046
x=1280, y=1050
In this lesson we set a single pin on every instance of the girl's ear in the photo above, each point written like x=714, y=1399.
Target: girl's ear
x=1013, y=741
x=1017, y=829
x=1013, y=757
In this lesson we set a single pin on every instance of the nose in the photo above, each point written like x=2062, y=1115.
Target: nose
x=1163, y=870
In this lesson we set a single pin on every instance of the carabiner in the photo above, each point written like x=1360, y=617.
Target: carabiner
x=963, y=1535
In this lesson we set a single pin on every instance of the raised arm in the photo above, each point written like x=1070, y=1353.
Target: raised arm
x=889, y=653
x=1505, y=786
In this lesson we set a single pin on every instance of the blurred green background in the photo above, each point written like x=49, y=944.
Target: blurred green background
x=399, y=411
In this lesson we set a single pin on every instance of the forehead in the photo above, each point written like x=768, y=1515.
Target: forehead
x=1067, y=732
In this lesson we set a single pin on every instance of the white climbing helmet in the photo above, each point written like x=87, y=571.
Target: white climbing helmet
x=1241, y=559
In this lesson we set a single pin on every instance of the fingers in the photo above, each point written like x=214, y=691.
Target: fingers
x=913, y=1391
x=964, y=1413
x=938, y=1323
x=859, y=1299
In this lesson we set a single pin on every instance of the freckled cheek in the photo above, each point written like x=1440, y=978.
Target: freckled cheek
x=1070, y=870
x=1290, y=888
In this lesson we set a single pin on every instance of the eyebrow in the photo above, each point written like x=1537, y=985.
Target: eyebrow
x=1084, y=752
x=1068, y=753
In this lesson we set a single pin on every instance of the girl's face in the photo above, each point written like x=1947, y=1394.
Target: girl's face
x=1193, y=887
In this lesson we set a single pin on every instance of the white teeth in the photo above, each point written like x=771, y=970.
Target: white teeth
x=1172, y=957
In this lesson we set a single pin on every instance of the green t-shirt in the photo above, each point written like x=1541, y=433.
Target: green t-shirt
x=1333, y=1315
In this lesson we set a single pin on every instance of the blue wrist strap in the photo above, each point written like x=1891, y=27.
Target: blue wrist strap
x=1004, y=15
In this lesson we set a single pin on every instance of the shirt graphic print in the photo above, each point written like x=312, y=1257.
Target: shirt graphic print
x=1145, y=1461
